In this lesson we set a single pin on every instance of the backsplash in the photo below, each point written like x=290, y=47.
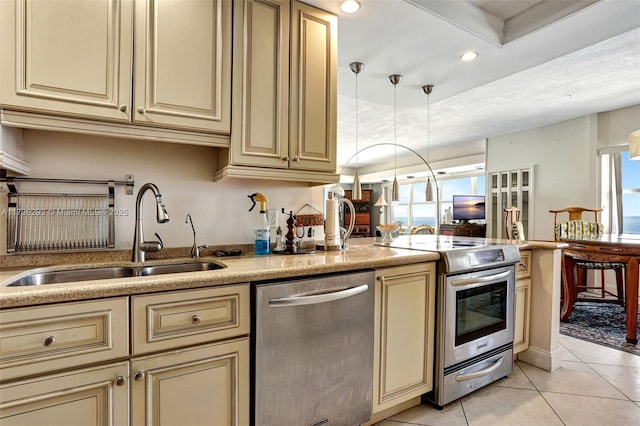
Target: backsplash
x=184, y=175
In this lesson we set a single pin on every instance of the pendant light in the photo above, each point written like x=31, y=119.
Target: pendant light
x=356, y=194
x=395, y=193
x=427, y=89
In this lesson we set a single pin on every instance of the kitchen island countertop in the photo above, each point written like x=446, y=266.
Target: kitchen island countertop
x=361, y=254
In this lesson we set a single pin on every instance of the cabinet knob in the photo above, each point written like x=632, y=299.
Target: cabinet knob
x=285, y=158
x=196, y=319
x=138, y=376
x=140, y=110
x=48, y=341
x=120, y=381
x=296, y=158
x=123, y=108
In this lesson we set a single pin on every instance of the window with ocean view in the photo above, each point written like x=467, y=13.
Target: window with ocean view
x=621, y=193
x=412, y=209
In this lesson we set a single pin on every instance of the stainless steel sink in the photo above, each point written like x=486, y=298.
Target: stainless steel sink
x=180, y=267
x=54, y=277
x=105, y=273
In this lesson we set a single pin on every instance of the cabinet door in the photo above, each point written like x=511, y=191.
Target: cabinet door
x=182, y=75
x=521, y=313
x=312, y=134
x=203, y=385
x=71, y=57
x=404, y=334
x=97, y=396
x=260, y=134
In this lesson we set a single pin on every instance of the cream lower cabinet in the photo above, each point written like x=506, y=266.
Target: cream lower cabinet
x=284, y=93
x=207, y=384
x=36, y=341
x=404, y=334
x=522, y=306
x=70, y=363
x=203, y=384
x=158, y=63
x=97, y=396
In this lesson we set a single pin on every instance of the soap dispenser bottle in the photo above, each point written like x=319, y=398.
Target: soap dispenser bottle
x=263, y=238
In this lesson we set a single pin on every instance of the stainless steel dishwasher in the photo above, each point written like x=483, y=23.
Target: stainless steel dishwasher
x=313, y=350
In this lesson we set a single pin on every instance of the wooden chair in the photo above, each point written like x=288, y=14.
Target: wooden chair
x=577, y=228
x=423, y=229
x=512, y=225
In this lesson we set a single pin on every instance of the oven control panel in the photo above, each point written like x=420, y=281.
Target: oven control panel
x=480, y=258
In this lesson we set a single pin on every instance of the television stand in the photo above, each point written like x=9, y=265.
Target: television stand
x=464, y=229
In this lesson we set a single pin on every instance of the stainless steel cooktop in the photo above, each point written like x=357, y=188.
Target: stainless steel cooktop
x=460, y=253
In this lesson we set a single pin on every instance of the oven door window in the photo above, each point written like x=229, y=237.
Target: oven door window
x=480, y=311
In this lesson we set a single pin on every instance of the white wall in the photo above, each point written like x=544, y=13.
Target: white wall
x=183, y=174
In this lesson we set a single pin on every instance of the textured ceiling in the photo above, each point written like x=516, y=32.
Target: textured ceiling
x=566, y=62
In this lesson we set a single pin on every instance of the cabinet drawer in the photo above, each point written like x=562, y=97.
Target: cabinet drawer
x=168, y=320
x=40, y=339
x=523, y=268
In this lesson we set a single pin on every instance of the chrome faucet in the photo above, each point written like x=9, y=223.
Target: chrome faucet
x=195, y=249
x=140, y=246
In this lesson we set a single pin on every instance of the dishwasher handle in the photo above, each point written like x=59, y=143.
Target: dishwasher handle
x=317, y=298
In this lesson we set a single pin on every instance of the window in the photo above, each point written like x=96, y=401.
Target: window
x=621, y=193
x=412, y=209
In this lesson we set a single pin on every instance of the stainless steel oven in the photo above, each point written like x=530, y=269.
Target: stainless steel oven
x=474, y=318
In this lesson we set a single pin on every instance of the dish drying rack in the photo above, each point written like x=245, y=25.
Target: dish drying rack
x=45, y=222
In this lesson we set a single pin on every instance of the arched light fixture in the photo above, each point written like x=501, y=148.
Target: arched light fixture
x=427, y=89
x=350, y=6
x=395, y=193
x=356, y=67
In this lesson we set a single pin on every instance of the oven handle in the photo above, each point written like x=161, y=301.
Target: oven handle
x=481, y=373
x=317, y=298
x=479, y=280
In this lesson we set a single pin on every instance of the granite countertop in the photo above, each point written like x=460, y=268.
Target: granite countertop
x=362, y=254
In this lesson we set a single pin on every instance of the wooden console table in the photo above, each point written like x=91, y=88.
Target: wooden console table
x=464, y=229
x=607, y=248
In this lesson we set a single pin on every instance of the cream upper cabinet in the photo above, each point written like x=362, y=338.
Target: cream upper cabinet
x=182, y=69
x=404, y=334
x=166, y=64
x=284, y=92
x=313, y=118
x=69, y=57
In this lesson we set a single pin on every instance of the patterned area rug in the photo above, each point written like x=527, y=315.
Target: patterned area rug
x=599, y=323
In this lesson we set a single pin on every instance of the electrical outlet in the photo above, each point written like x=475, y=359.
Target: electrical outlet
x=272, y=218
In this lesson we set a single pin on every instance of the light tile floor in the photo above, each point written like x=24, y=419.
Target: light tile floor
x=595, y=385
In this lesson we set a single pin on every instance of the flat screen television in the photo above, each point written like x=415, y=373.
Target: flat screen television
x=468, y=207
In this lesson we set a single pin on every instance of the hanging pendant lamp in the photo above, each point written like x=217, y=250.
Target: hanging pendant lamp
x=356, y=194
x=427, y=89
x=395, y=193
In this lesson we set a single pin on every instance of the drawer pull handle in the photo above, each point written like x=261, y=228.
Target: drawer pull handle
x=196, y=319
x=123, y=108
x=120, y=381
x=48, y=341
x=138, y=376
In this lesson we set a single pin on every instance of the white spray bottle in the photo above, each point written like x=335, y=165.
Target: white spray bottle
x=263, y=238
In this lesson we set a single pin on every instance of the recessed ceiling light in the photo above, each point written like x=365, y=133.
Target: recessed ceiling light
x=468, y=56
x=350, y=6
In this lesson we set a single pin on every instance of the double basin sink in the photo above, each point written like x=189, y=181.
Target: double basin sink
x=110, y=272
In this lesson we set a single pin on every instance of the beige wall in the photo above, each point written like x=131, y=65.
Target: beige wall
x=564, y=157
x=182, y=172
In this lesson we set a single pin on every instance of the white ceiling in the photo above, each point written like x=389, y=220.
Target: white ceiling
x=540, y=62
